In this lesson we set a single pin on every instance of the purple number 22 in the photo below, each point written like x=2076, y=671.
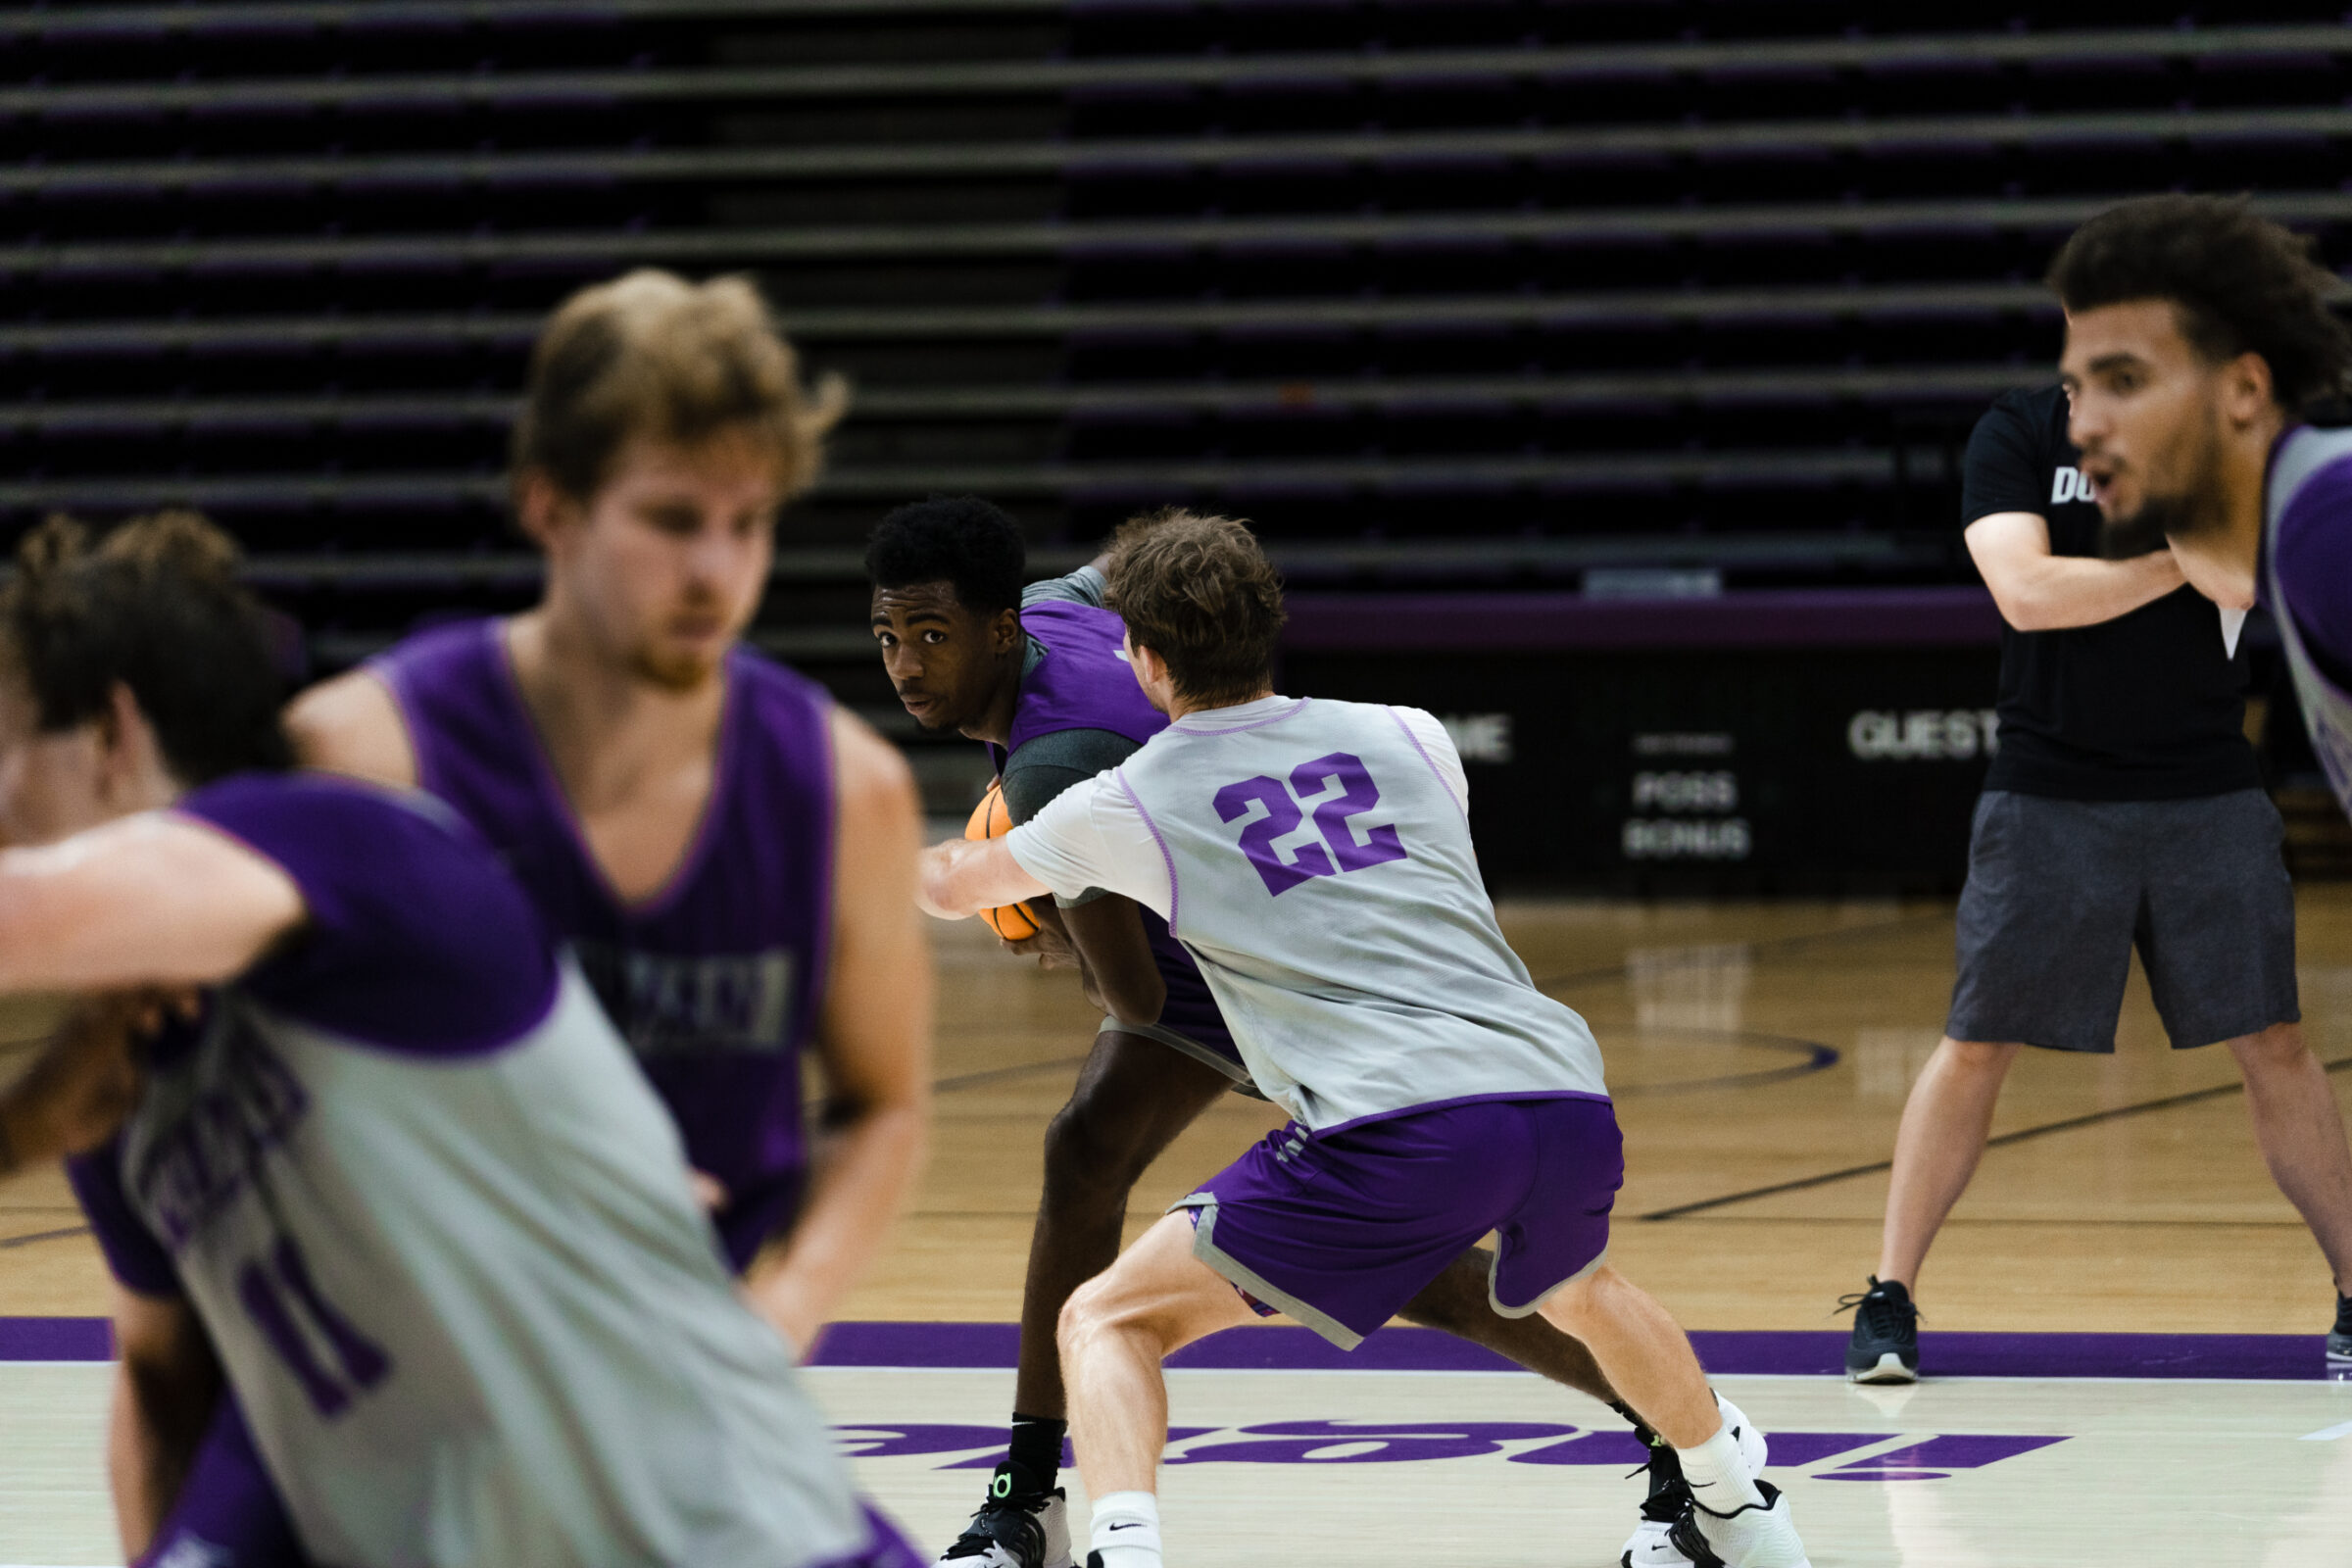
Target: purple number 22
x=1357, y=793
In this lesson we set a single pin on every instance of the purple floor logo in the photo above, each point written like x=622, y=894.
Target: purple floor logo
x=1368, y=1442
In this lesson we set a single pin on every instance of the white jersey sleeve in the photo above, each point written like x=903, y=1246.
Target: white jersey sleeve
x=1444, y=759
x=1094, y=835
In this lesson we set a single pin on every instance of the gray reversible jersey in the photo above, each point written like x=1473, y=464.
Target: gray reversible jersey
x=440, y=1231
x=1314, y=860
x=2312, y=471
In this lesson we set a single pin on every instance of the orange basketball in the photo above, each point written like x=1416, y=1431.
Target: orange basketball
x=991, y=820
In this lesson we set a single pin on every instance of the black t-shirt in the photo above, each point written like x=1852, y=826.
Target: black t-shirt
x=2147, y=707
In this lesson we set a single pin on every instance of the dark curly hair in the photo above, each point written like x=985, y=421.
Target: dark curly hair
x=154, y=605
x=1201, y=594
x=959, y=540
x=2242, y=285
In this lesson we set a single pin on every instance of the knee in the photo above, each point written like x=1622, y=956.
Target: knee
x=1574, y=1304
x=1088, y=1155
x=1978, y=1059
x=2278, y=1048
x=1094, y=1309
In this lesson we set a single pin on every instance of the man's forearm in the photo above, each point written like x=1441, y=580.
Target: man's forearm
x=2057, y=592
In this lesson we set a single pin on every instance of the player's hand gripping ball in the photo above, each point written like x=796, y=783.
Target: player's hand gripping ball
x=992, y=820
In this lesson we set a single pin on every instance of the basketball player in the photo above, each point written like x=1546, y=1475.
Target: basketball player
x=1315, y=858
x=1040, y=674
x=707, y=830
x=2197, y=334
x=399, y=1171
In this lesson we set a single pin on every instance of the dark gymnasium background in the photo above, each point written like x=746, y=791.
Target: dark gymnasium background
x=1598, y=372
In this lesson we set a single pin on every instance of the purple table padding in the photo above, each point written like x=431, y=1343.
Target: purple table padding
x=1803, y=1354
x=1510, y=623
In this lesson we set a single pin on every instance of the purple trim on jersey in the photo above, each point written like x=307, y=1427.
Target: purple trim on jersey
x=559, y=802
x=716, y=979
x=1067, y=689
x=1237, y=729
x=1460, y=1100
x=2315, y=563
x=132, y=1253
x=1166, y=858
x=413, y=939
x=1434, y=769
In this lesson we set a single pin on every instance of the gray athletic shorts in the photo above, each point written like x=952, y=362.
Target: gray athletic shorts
x=2060, y=892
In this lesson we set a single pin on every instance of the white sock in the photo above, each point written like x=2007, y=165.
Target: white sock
x=1126, y=1529
x=1717, y=1477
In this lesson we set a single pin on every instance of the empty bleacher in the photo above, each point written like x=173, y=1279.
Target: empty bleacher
x=1467, y=292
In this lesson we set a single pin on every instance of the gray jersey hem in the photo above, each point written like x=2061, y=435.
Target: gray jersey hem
x=1537, y=1306
x=1176, y=1042
x=1205, y=1249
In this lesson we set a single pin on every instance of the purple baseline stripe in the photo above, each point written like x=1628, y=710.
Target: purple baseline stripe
x=1470, y=622
x=2283, y=1357
x=56, y=1339
x=1803, y=1352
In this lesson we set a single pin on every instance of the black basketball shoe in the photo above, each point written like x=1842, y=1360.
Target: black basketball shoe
x=1019, y=1525
x=2339, y=1339
x=1884, y=1347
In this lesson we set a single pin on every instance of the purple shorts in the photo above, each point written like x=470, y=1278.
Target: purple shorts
x=1340, y=1229
x=227, y=1515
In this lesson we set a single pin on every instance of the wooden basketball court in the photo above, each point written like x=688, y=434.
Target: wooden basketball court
x=1760, y=1053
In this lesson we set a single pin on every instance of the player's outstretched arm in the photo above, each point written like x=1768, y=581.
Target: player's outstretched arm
x=2039, y=591
x=874, y=1039
x=353, y=725
x=151, y=900
x=963, y=876
x=166, y=1383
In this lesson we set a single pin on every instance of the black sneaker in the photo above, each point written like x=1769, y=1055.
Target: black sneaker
x=1019, y=1525
x=2339, y=1339
x=1884, y=1347
x=1668, y=1500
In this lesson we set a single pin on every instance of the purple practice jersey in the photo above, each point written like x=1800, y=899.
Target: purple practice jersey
x=1078, y=678
x=715, y=980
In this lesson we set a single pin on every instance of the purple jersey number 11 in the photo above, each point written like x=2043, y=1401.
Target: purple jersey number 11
x=1340, y=850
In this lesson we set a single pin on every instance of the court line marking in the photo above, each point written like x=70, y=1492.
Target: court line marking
x=2343, y=1429
x=2068, y=1124
x=43, y=1236
x=944, y=1086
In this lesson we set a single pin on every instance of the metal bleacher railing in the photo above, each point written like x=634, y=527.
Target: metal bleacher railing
x=568, y=253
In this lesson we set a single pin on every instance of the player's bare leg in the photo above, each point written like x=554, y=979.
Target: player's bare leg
x=1115, y=1332
x=2302, y=1137
x=1133, y=1098
x=1946, y=1123
x=1458, y=1302
x=1644, y=1353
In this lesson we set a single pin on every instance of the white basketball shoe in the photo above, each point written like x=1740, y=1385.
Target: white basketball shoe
x=1651, y=1546
x=1757, y=1536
